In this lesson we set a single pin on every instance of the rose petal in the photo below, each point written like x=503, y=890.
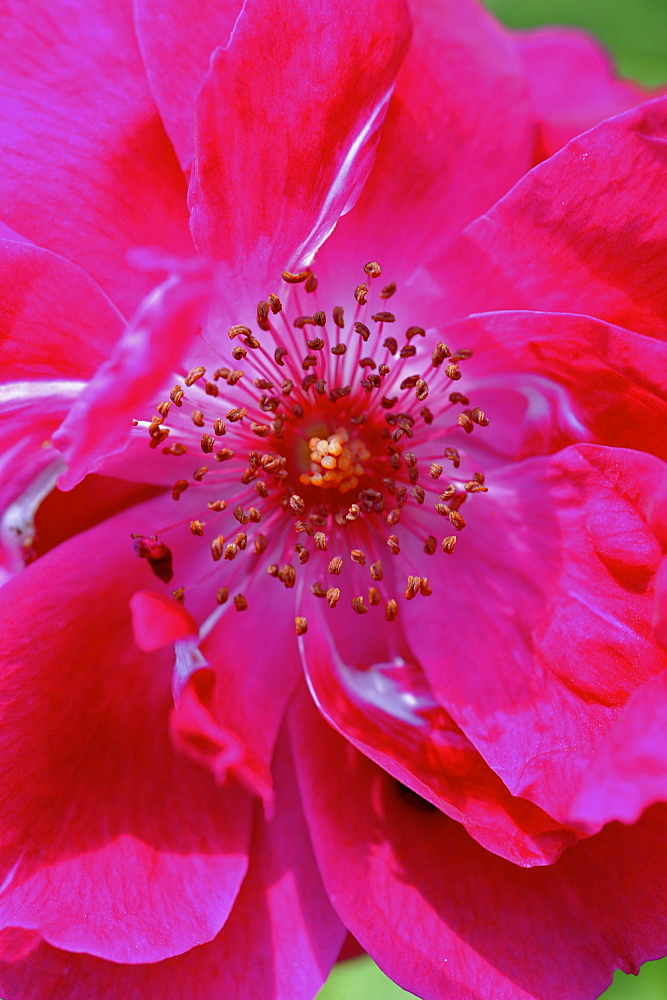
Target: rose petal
x=88, y=170
x=334, y=69
x=176, y=41
x=547, y=632
x=110, y=844
x=572, y=236
x=448, y=920
x=282, y=934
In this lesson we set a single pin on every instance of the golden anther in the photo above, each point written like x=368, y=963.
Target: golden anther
x=301, y=625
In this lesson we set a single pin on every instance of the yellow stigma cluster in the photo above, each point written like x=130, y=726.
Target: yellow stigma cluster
x=335, y=462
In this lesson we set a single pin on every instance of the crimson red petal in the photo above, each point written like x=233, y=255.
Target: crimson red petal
x=458, y=135
x=279, y=942
x=549, y=624
x=177, y=38
x=572, y=84
x=110, y=843
x=87, y=168
x=448, y=920
x=574, y=235
x=299, y=169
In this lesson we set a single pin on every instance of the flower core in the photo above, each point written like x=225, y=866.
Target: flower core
x=319, y=451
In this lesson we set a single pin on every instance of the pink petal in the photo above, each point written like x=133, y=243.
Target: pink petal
x=278, y=943
x=158, y=621
x=547, y=632
x=572, y=84
x=609, y=383
x=458, y=135
x=229, y=715
x=301, y=165
x=450, y=921
x=139, y=367
x=573, y=235
x=110, y=844
x=176, y=41
x=369, y=686
x=88, y=170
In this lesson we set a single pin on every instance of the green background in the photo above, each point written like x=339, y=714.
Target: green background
x=636, y=33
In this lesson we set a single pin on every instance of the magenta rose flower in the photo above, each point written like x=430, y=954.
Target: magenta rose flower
x=347, y=613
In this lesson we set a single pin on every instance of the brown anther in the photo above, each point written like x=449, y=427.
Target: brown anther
x=333, y=594
x=309, y=361
x=384, y=370
x=391, y=344
x=240, y=514
x=241, y=540
x=410, y=382
x=453, y=372
x=302, y=321
x=259, y=544
x=231, y=551
x=302, y=553
x=301, y=625
x=372, y=269
x=261, y=430
x=338, y=349
x=194, y=374
x=376, y=570
x=419, y=493
x=359, y=606
x=388, y=401
x=216, y=547
x=464, y=420
x=458, y=397
x=175, y=449
x=339, y=316
x=179, y=595
x=156, y=553
x=207, y=443
x=353, y=512
x=159, y=435
x=295, y=278
x=421, y=390
x=196, y=527
x=320, y=318
x=357, y=556
x=478, y=477
x=297, y=503
x=383, y=317
x=303, y=528
x=240, y=602
x=453, y=456
x=254, y=515
x=176, y=395
x=263, y=315
x=179, y=487
x=315, y=345
x=448, y=544
x=426, y=415
x=440, y=353
x=317, y=590
x=163, y=408
x=367, y=363
x=410, y=459
x=479, y=417
x=217, y=504
x=286, y=386
x=320, y=540
x=275, y=305
x=362, y=330
x=219, y=427
x=279, y=354
x=373, y=596
x=272, y=570
x=461, y=354
x=474, y=487
x=236, y=413
x=448, y=492
x=311, y=282
x=415, y=331
x=391, y=611
x=393, y=543
x=222, y=595
x=320, y=386
x=435, y=471
x=239, y=330
x=224, y=454
x=393, y=517
x=211, y=389
x=336, y=565
x=456, y=519
x=361, y=294
x=197, y=418
x=388, y=290
x=239, y=352
x=287, y=575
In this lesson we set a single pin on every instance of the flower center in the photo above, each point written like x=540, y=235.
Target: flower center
x=306, y=458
